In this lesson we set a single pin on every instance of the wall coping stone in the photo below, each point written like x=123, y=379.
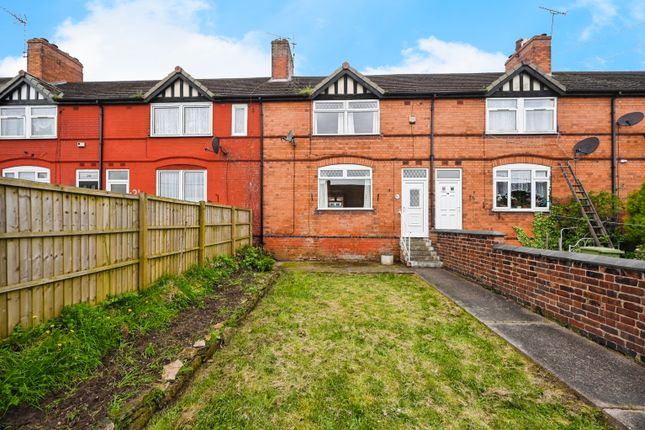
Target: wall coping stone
x=620, y=263
x=472, y=232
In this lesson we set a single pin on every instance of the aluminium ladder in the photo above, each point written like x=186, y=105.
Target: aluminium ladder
x=596, y=228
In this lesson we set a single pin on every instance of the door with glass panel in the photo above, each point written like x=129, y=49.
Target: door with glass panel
x=448, y=213
x=414, y=203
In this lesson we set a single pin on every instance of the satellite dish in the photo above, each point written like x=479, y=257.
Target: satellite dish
x=215, y=144
x=290, y=137
x=630, y=119
x=586, y=146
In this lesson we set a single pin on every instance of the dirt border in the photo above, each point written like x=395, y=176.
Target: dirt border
x=140, y=410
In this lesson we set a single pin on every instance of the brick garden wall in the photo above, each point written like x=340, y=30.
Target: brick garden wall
x=602, y=298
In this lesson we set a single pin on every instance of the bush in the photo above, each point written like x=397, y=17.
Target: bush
x=635, y=234
x=255, y=258
x=546, y=227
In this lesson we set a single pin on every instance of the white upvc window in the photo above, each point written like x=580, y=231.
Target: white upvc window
x=338, y=117
x=28, y=122
x=344, y=186
x=182, y=184
x=535, y=115
x=30, y=173
x=239, y=121
x=521, y=187
x=181, y=119
x=87, y=178
x=117, y=180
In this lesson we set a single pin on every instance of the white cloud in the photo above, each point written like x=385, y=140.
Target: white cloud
x=432, y=55
x=602, y=13
x=146, y=39
x=10, y=66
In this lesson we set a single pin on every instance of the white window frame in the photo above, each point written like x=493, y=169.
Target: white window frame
x=345, y=110
x=109, y=182
x=246, y=119
x=533, y=168
x=27, y=121
x=181, y=181
x=181, y=107
x=21, y=169
x=345, y=168
x=520, y=115
x=78, y=174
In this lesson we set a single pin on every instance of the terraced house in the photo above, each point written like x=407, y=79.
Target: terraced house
x=337, y=166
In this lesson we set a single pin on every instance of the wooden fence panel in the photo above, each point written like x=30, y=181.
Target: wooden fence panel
x=63, y=245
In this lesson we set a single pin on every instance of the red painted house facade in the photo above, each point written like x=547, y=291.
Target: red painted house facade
x=337, y=166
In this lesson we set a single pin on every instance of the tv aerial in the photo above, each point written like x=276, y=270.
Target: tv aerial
x=553, y=13
x=586, y=146
x=22, y=20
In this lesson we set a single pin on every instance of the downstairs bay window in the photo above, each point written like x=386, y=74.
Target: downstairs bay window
x=521, y=187
x=340, y=117
x=182, y=184
x=29, y=173
x=344, y=186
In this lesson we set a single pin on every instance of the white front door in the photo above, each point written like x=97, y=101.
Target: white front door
x=448, y=199
x=414, y=203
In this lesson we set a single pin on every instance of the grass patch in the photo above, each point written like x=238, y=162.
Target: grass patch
x=371, y=352
x=64, y=351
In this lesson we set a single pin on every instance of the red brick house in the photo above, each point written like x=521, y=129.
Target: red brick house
x=369, y=158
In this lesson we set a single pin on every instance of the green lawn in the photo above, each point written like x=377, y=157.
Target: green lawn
x=370, y=352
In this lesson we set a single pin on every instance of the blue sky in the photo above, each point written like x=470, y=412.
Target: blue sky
x=145, y=39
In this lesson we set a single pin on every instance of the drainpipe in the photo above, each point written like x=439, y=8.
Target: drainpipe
x=100, y=144
x=431, y=178
x=261, y=171
x=614, y=148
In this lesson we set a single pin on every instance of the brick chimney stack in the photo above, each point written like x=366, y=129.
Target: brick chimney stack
x=536, y=51
x=281, y=60
x=47, y=62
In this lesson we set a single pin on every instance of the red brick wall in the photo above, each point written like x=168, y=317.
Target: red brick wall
x=460, y=141
x=602, y=298
x=536, y=51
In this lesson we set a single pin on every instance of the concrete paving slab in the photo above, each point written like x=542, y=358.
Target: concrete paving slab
x=633, y=420
x=343, y=267
x=607, y=379
x=484, y=304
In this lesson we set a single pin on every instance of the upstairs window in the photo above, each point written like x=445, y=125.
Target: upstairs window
x=182, y=184
x=521, y=115
x=29, y=173
x=27, y=122
x=521, y=187
x=346, y=117
x=240, y=120
x=181, y=119
x=345, y=186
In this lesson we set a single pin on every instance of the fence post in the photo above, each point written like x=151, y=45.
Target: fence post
x=233, y=229
x=143, y=240
x=202, y=232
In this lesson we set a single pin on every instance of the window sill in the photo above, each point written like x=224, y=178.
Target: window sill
x=156, y=136
x=337, y=210
x=516, y=133
x=27, y=138
x=349, y=135
x=520, y=210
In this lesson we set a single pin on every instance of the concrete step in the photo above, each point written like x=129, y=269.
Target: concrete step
x=425, y=264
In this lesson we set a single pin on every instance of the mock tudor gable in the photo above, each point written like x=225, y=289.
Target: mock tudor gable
x=178, y=85
x=27, y=89
x=346, y=82
x=526, y=81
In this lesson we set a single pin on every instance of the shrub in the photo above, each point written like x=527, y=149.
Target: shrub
x=255, y=258
x=635, y=219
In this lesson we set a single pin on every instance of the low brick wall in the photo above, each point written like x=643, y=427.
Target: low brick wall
x=600, y=297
